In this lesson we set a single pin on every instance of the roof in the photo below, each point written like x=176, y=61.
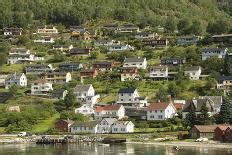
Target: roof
x=88, y=70
x=178, y=106
x=67, y=121
x=223, y=127
x=134, y=60
x=127, y=90
x=84, y=124
x=80, y=50
x=103, y=63
x=193, y=68
x=122, y=122
x=66, y=64
x=58, y=92
x=110, y=120
x=108, y=107
x=213, y=49
x=81, y=88
x=197, y=104
x=215, y=100
x=162, y=67
x=14, y=76
x=40, y=81
x=224, y=78
x=205, y=128
x=158, y=106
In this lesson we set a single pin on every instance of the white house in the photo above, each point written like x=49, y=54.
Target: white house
x=20, y=55
x=123, y=127
x=58, y=77
x=188, y=40
x=86, y=94
x=106, y=42
x=129, y=97
x=214, y=52
x=194, y=72
x=62, y=47
x=41, y=87
x=9, y=31
x=45, y=40
x=140, y=63
x=105, y=125
x=129, y=73
x=47, y=30
x=85, y=109
x=160, y=111
x=158, y=72
x=84, y=127
x=120, y=48
x=109, y=111
x=16, y=79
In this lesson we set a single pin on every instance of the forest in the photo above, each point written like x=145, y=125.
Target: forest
x=22, y=13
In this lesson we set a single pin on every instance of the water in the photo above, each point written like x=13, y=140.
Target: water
x=95, y=149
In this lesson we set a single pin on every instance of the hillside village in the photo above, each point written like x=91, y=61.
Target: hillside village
x=117, y=77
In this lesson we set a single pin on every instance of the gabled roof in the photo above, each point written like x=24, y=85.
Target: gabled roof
x=197, y=105
x=223, y=127
x=84, y=124
x=205, y=128
x=123, y=122
x=129, y=60
x=81, y=88
x=40, y=81
x=108, y=107
x=213, y=49
x=127, y=90
x=178, y=106
x=158, y=106
x=14, y=76
x=216, y=101
x=109, y=120
x=193, y=68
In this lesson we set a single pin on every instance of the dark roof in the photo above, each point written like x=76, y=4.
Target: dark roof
x=66, y=64
x=224, y=78
x=127, y=90
x=84, y=124
x=80, y=51
x=216, y=101
x=58, y=92
x=197, y=105
x=14, y=76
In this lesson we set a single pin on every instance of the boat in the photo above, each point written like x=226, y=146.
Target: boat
x=101, y=144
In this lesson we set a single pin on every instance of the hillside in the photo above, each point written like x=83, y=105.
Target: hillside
x=75, y=12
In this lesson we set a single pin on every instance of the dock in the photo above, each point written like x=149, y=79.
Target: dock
x=51, y=141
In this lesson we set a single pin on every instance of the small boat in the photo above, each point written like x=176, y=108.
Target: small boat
x=101, y=144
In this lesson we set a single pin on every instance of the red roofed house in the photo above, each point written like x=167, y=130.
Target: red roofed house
x=178, y=106
x=160, y=111
x=109, y=111
x=63, y=125
x=219, y=133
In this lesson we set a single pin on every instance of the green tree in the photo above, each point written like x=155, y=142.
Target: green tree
x=13, y=90
x=162, y=94
x=228, y=65
x=191, y=118
x=204, y=116
x=69, y=100
x=225, y=114
x=73, y=116
x=173, y=89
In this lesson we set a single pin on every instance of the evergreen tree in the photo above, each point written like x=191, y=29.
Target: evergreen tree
x=228, y=65
x=69, y=100
x=226, y=111
x=191, y=118
x=204, y=117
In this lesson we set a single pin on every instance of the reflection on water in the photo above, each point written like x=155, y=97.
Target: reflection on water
x=95, y=149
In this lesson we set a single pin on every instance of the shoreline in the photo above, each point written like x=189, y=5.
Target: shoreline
x=188, y=144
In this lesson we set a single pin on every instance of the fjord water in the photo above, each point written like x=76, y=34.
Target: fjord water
x=95, y=149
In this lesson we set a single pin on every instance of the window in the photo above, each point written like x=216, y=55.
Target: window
x=155, y=111
x=161, y=110
x=121, y=99
x=160, y=116
x=121, y=94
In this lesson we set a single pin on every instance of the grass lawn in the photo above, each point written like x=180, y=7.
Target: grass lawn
x=44, y=125
x=2, y=130
x=110, y=98
x=11, y=68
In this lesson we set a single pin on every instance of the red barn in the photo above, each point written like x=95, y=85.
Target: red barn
x=219, y=133
x=63, y=125
x=228, y=134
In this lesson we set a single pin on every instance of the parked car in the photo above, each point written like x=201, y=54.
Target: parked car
x=22, y=134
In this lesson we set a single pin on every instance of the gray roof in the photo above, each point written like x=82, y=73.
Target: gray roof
x=197, y=105
x=193, y=68
x=213, y=49
x=81, y=88
x=84, y=124
x=14, y=76
x=127, y=90
x=224, y=78
x=110, y=120
x=216, y=101
x=134, y=60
